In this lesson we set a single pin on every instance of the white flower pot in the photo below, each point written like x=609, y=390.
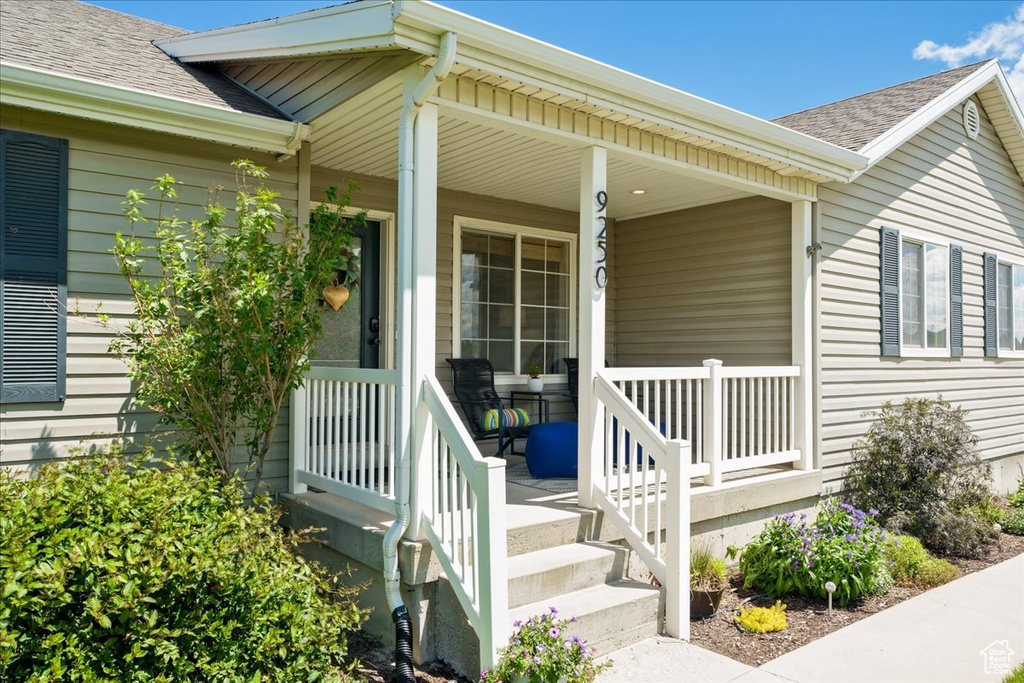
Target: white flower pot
x=535, y=384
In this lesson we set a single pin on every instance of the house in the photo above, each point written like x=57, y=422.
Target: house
x=750, y=287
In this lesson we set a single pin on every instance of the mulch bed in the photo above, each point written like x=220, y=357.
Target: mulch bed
x=376, y=663
x=808, y=619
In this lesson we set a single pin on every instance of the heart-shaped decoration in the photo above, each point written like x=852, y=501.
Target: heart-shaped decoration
x=336, y=295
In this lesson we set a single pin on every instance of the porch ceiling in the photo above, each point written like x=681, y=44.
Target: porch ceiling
x=486, y=160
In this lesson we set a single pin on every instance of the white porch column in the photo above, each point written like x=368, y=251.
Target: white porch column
x=298, y=436
x=593, y=275
x=424, y=303
x=802, y=327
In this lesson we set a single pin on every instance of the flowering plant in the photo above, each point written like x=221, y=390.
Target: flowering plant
x=844, y=545
x=540, y=651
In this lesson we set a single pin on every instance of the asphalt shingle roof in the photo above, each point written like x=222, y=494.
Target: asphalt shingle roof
x=103, y=45
x=856, y=121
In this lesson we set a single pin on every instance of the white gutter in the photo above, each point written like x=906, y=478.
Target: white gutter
x=410, y=107
x=377, y=26
x=23, y=86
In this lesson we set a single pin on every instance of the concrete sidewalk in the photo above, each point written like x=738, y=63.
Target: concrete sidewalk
x=935, y=637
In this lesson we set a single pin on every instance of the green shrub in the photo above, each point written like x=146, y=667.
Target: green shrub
x=918, y=465
x=112, y=570
x=1013, y=523
x=912, y=565
x=844, y=546
x=707, y=572
x=763, y=619
x=1016, y=499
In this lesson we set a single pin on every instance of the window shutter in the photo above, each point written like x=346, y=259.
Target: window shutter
x=890, y=291
x=956, y=300
x=991, y=316
x=33, y=267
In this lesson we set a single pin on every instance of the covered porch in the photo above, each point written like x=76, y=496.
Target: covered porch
x=535, y=205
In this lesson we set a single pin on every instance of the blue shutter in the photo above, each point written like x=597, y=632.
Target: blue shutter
x=889, y=253
x=956, y=300
x=33, y=267
x=991, y=312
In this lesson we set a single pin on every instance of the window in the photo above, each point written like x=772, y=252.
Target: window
x=1010, y=307
x=921, y=289
x=33, y=267
x=514, y=295
x=925, y=297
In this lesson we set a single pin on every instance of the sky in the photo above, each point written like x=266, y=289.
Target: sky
x=763, y=58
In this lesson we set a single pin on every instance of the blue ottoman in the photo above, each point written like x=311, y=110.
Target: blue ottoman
x=551, y=450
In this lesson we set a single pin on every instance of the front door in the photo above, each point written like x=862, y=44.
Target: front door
x=352, y=335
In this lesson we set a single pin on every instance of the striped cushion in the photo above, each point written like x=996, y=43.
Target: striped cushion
x=516, y=417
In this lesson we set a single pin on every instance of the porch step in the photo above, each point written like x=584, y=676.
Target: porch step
x=550, y=572
x=609, y=617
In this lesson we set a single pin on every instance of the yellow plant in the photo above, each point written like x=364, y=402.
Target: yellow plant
x=763, y=619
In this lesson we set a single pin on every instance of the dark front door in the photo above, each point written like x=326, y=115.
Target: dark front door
x=352, y=335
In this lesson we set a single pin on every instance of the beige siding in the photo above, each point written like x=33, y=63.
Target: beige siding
x=105, y=161
x=708, y=282
x=942, y=184
x=382, y=194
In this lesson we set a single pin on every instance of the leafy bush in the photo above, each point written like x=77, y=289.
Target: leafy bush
x=539, y=651
x=115, y=570
x=1016, y=499
x=844, y=546
x=918, y=465
x=912, y=565
x=1013, y=523
x=763, y=619
x=224, y=333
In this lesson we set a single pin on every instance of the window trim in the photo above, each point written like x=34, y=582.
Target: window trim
x=915, y=352
x=461, y=223
x=1015, y=265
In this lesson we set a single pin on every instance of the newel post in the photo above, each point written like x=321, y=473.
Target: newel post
x=712, y=427
x=677, y=532
x=298, y=438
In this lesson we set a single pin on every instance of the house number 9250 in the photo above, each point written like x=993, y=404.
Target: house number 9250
x=601, y=241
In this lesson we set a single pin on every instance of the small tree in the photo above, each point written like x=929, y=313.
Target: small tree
x=919, y=467
x=223, y=333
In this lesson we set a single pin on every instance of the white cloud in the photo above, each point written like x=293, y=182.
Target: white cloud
x=1003, y=40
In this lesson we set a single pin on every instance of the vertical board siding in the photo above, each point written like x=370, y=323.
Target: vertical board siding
x=707, y=282
x=960, y=191
x=105, y=162
x=381, y=194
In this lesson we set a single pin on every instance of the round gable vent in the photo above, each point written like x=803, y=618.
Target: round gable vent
x=972, y=120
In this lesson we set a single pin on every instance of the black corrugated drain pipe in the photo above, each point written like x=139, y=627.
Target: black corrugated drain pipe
x=403, y=645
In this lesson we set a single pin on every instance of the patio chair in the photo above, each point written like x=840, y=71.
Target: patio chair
x=485, y=412
x=572, y=366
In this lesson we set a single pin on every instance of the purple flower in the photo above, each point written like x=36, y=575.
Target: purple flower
x=536, y=660
x=540, y=648
x=873, y=512
x=850, y=537
x=553, y=633
x=849, y=554
x=517, y=623
x=553, y=610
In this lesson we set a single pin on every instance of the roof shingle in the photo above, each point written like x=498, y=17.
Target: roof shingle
x=857, y=121
x=103, y=45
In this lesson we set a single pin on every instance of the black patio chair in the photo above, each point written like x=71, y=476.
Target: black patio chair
x=474, y=390
x=572, y=366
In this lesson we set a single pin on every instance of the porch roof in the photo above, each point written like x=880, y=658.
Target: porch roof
x=394, y=34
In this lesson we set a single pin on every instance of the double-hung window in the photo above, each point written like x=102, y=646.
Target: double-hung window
x=924, y=291
x=514, y=295
x=921, y=296
x=1009, y=307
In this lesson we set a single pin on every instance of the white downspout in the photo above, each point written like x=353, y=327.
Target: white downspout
x=410, y=107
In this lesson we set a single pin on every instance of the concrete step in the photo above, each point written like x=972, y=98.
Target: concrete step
x=533, y=527
x=544, y=574
x=609, y=617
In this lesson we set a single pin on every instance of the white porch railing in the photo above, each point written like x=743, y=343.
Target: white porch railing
x=464, y=517
x=344, y=441
x=735, y=418
x=642, y=473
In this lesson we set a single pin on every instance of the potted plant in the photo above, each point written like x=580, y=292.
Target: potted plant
x=534, y=383
x=707, y=581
